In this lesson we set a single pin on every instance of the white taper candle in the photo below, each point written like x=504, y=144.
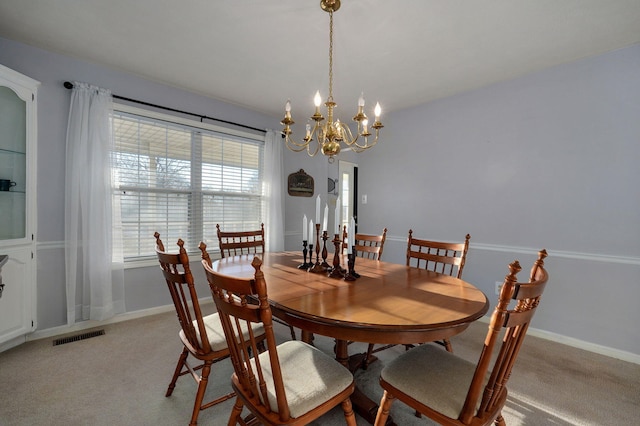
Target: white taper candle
x=326, y=217
x=318, y=209
x=337, y=216
x=304, y=228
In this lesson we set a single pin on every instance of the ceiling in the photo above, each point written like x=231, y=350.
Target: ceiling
x=258, y=53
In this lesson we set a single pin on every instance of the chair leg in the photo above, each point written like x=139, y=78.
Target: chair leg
x=383, y=410
x=446, y=343
x=349, y=415
x=235, y=412
x=365, y=361
x=176, y=374
x=202, y=388
x=291, y=330
x=293, y=333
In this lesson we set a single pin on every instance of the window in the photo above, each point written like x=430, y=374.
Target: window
x=180, y=178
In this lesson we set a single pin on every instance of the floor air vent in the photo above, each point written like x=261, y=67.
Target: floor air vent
x=77, y=337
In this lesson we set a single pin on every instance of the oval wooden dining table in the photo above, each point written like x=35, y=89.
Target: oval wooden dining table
x=388, y=304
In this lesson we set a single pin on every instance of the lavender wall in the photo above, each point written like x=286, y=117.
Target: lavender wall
x=546, y=160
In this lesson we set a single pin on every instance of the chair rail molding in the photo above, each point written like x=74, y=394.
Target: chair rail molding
x=592, y=257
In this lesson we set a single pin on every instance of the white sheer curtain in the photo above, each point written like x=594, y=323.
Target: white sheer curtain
x=95, y=284
x=274, y=184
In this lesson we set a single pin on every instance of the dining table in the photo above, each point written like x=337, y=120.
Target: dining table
x=388, y=303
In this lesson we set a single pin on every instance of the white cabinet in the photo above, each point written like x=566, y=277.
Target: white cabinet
x=17, y=295
x=18, y=127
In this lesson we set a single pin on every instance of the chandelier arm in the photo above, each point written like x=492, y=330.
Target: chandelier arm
x=367, y=145
x=295, y=147
x=299, y=147
x=353, y=142
x=314, y=152
x=347, y=136
x=360, y=132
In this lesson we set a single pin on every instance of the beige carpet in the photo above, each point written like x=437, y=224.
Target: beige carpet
x=120, y=378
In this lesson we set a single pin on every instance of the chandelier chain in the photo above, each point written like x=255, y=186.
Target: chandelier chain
x=330, y=56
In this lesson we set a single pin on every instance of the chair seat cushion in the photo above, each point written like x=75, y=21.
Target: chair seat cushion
x=310, y=377
x=215, y=332
x=432, y=376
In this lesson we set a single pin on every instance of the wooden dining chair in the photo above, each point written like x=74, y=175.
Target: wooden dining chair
x=366, y=245
x=453, y=391
x=445, y=258
x=370, y=246
x=442, y=257
x=292, y=383
x=234, y=243
x=245, y=242
x=202, y=336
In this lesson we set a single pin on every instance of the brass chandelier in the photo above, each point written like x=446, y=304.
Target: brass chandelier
x=332, y=134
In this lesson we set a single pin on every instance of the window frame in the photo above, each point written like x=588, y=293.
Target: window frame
x=259, y=139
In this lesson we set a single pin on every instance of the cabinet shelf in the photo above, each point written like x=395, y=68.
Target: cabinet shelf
x=10, y=151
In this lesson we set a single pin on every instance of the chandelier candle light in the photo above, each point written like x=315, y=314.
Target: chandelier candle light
x=332, y=134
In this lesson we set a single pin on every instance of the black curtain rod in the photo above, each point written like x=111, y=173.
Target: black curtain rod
x=69, y=85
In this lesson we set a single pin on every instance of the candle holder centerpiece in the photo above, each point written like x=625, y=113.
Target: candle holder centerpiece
x=325, y=253
x=305, y=264
x=337, y=271
x=317, y=267
x=351, y=274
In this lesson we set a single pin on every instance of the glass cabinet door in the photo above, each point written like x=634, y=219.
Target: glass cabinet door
x=13, y=149
x=18, y=143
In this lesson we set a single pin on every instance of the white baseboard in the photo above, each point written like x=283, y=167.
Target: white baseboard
x=580, y=344
x=554, y=337
x=12, y=343
x=84, y=325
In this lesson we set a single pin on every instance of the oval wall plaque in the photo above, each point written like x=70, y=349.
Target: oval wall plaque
x=300, y=184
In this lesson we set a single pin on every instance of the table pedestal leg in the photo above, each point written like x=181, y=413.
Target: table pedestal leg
x=362, y=404
x=342, y=353
x=306, y=337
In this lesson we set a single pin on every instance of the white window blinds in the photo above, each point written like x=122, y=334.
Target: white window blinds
x=180, y=181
